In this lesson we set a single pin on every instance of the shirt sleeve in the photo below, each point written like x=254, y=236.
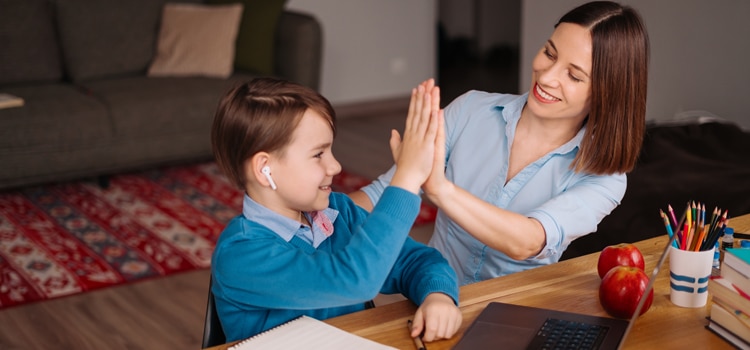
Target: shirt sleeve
x=419, y=271
x=578, y=211
x=375, y=189
x=261, y=270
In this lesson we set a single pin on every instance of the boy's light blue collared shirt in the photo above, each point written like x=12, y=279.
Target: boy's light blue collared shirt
x=285, y=227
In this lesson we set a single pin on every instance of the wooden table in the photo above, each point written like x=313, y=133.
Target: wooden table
x=571, y=285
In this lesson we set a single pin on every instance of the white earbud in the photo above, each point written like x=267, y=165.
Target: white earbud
x=267, y=173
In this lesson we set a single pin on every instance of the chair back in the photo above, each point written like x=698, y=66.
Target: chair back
x=213, y=334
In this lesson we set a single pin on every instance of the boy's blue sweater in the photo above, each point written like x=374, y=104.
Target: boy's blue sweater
x=261, y=281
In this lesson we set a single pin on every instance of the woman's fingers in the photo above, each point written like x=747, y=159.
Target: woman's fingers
x=435, y=98
x=395, y=143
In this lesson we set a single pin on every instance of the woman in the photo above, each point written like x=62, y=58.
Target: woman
x=523, y=176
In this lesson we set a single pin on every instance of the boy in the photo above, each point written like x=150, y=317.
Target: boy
x=299, y=249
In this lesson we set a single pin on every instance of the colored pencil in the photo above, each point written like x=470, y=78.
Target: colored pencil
x=671, y=213
x=688, y=236
x=718, y=229
x=680, y=233
x=685, y=234
x=700, y=241
x=668, y=226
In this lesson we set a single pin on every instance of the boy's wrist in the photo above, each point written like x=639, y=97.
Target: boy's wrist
x=408, y=183
x=439, y=297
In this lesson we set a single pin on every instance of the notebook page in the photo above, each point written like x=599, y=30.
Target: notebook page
x=308, y=333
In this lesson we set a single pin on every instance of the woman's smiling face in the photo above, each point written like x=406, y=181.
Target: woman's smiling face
x=561, y=74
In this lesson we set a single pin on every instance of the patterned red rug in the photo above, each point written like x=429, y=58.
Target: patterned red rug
x=63, y=239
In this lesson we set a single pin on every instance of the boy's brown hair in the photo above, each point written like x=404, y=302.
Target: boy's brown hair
x=261, y=116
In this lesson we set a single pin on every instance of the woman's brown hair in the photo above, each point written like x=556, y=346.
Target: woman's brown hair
x=260, y=116
x=617, y=119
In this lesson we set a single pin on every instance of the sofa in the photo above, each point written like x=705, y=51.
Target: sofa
x=93, y=101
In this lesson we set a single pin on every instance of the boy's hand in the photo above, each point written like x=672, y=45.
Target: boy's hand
x=414, y=154
x=437, y=318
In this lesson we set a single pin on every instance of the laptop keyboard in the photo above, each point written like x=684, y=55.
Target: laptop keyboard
x=562, y=334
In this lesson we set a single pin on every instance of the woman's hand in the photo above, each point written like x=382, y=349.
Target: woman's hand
x=437, y=318
x=437, y=182
x=415, y=152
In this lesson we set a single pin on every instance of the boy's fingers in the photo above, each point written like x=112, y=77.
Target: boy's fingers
x=424, y=118
x=412, y=107
x=418, y=105
x=416, y=328
x=425, y=98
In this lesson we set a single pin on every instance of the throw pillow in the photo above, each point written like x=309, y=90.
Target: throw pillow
x=101, y=39
x=196, y=40
x=257, y=35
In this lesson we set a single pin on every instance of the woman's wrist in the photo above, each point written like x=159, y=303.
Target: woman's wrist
x=441, y=194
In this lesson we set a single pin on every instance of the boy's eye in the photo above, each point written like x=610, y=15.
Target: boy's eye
x=318, y=155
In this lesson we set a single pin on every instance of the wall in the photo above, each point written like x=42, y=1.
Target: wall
x=490, y=22
x=699, y=53
x=374, y=50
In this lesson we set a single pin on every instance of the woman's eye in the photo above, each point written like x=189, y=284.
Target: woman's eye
x=548, y=54
x=574, y=78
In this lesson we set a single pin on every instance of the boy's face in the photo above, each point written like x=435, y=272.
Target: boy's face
x=306, y=168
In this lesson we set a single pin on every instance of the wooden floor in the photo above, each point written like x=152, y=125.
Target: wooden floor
x=167, y=313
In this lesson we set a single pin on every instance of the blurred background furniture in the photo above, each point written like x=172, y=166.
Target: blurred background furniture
x=91, y=107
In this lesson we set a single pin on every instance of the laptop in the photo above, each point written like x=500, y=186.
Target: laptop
x=510, y=326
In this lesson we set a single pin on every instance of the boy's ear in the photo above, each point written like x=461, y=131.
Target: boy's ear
x=254, y=168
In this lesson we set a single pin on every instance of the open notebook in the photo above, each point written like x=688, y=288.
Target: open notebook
x=307, y=333
x=509, y=326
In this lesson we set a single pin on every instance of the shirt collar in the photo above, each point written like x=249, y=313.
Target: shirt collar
x=287, y=228
x=512, y=109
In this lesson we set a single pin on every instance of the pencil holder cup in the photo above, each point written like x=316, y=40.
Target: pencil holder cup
x=689, y=272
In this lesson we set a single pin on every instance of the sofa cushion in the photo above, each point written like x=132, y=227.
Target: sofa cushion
x=54, y=117
x=196, y=40
x=104, y=38
x=143, y=107
x=256, y=37
x=29, y=51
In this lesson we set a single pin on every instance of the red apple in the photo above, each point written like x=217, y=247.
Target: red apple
x=623, y=254
x=621, y=290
